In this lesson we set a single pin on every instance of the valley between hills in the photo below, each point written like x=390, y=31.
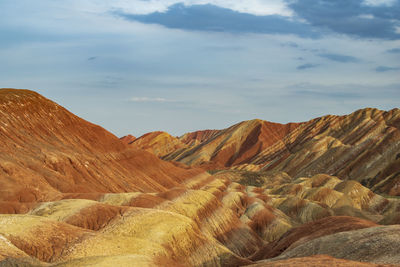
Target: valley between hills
x=324, y=192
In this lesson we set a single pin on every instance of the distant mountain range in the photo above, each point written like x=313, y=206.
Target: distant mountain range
x=363, y=146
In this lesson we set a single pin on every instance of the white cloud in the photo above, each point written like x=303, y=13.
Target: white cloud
x=256, y=7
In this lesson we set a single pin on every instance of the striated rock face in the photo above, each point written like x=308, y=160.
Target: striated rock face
x=209, y=221
x=362, y=146
x=46, y=151
x=198, y=137
x=306, y=232
x=184, y=227
x=233, y=146
x=376, y=244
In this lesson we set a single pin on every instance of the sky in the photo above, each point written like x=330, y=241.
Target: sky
x=135, y=66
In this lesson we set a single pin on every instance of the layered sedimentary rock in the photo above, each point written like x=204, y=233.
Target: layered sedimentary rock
x=362, y=146
x=198, y=137
x=210, y=221
x=233, y=146
x=376, y=245
x=306, y=232
x=187, y=227
x=46, y=151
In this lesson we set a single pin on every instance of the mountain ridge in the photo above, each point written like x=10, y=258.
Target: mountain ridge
x=305, y=148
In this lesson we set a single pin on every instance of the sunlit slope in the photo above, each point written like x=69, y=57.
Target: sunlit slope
x=46, y=151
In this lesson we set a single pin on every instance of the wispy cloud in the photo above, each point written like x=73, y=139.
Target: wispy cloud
x=91, y=58
x=340, y=58
x=149, y=99
x=307, y=66
x=386, y=68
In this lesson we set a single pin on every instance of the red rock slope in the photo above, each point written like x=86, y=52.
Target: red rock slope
x=46, y=151
x=229, y=147
x=362, y=146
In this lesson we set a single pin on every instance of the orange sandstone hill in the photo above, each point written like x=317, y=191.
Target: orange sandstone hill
x=47, y=152
x=362, y=146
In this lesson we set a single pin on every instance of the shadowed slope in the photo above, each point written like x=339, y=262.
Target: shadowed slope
x=309, y=231
x=318, y=261
x=375, y=244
